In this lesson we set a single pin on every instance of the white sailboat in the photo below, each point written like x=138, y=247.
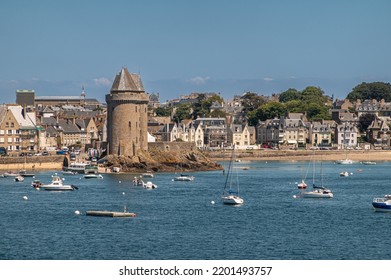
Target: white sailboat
x=231, y=187
x=317, y=191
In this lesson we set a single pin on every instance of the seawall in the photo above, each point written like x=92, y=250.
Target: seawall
x=30, y=163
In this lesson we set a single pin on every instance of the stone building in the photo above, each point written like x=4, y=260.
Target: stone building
x=127, y=115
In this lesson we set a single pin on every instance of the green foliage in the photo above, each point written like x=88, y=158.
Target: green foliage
x=317, y=112
x=375, y=90
x=270, y=110
x=365, y=121
x=218, y=114
x=252, y=118
x=251, y=101
x=163, y=112
x=202, y=107
x=289, y=95
x=295, y=106
x=313, y=94
x=183, y=111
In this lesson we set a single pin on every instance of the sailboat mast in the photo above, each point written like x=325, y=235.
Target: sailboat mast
x=229, y=169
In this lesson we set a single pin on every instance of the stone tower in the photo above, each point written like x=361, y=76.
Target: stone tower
x=127, y=107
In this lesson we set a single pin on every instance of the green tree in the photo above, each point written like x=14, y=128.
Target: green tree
x=270, y=110
x=313, y=94
x=289, y=95
x=375, y=90
x=365, y=121
x=183, y=111
x=295, y=106
x=316, y=112
x=251, y=101
x=201, y=108
x=218, y=114
x=163, y=112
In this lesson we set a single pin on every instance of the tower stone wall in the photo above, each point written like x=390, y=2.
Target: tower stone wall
x=127, y=109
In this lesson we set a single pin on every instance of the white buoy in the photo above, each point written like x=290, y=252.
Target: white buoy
x=212, y=202
x=25, y=198
x=119, y=182
x=77, y=212
x=123, y=193
x=294, y=196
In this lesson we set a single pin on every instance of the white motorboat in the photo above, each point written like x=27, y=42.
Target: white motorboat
x=25, y=174
x=149, y=185
x=344, y=174
x=57, y=184
x=344, y=161
x=19, y=178
x=93, y=176
x=369, y=162
x=10, y=174
x=148, y=174
x=382, y=204
x=184, y=177
x=138, y=181
x=36, y=184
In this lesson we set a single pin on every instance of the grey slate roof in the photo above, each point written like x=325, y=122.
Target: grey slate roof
x=68, y=127
x=124, y=81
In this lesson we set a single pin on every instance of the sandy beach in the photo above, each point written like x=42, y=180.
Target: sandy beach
x=303, y=155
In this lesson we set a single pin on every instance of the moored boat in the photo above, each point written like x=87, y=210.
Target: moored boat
x=184, y=177
x=57, y=184
x=149, y=185
x=147, y=174
x=93, y=176
x=10, y=174
x=231, y=187
x=369, y=162
x=344, y=174
x=302, y=185
x=318, y=192
x=344, y=161
x=19, y=178
x=36, y=184
x=382, y=204
x=78, y=167
x=25, y=174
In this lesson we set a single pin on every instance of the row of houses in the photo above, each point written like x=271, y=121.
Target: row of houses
x=55, y=122
x=24, y=129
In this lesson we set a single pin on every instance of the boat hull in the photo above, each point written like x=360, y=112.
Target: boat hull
x=56, y=188
x=183, y=179
x=316, y=194
x=232, y=200
x=382, y=204
x=381, y=207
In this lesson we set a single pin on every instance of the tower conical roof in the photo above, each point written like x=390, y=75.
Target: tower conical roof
x=124, y=81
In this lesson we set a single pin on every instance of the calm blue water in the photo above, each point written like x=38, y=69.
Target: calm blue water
x=178, y=221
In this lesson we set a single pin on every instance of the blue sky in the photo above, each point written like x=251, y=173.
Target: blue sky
x=179, y=47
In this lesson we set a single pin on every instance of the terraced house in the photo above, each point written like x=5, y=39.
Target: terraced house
x=18, y=129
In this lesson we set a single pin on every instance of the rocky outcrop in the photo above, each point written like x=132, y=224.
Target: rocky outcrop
x=164, y=161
